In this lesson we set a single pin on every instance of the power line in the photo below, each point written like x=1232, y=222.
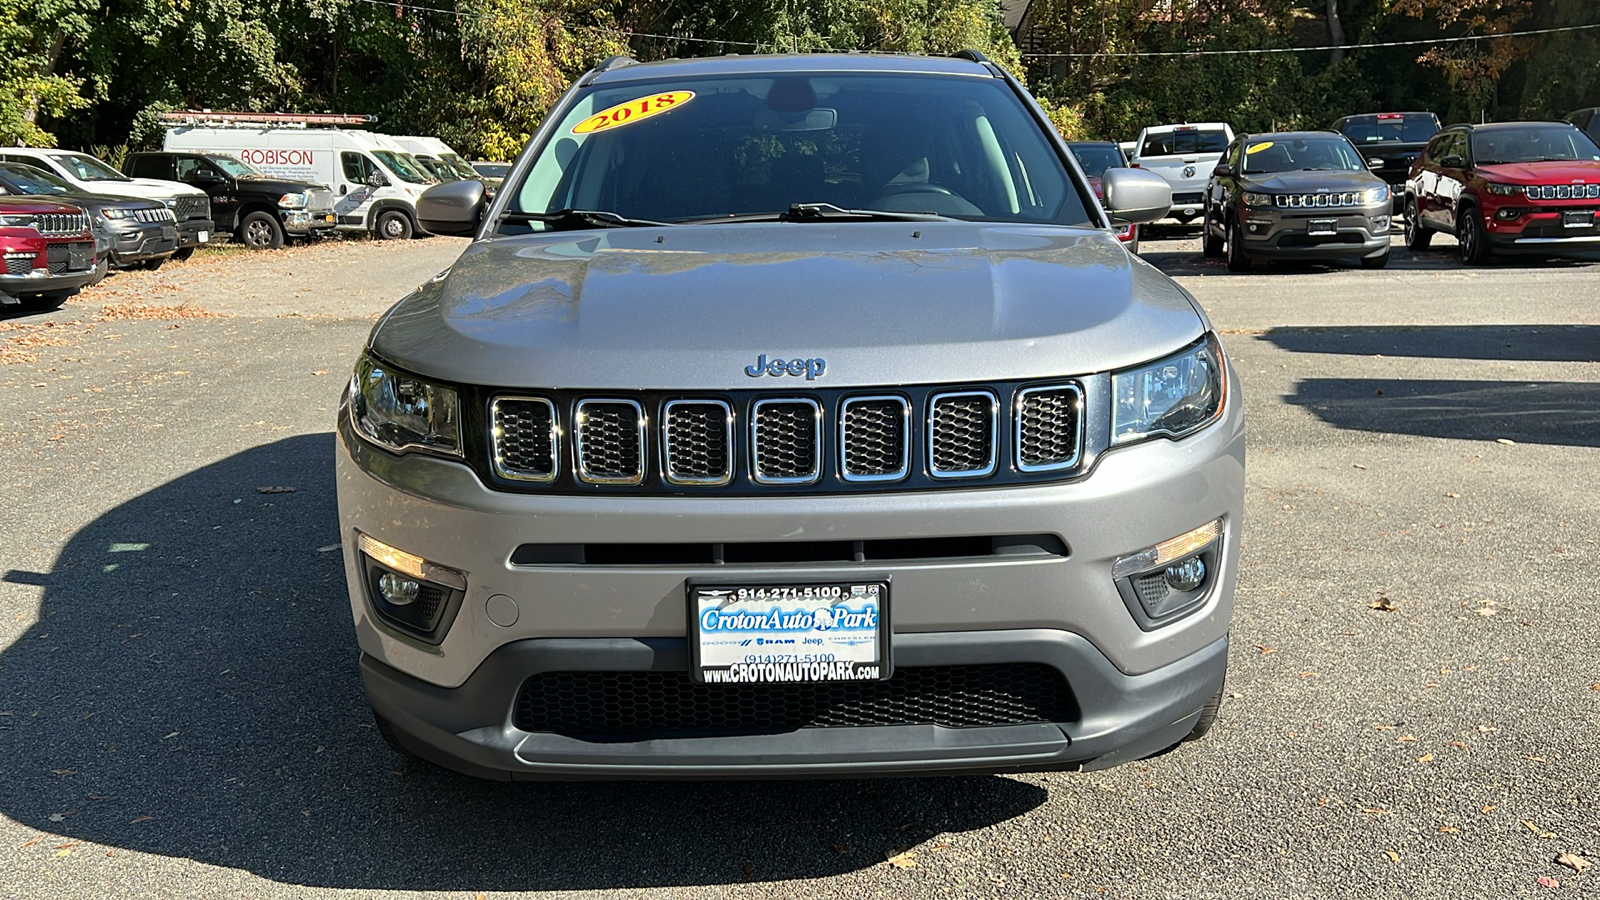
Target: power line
x=616, y=31
x=1445, y=40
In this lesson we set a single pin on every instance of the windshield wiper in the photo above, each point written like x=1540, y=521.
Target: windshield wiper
x=816, y=212
x=563, y=219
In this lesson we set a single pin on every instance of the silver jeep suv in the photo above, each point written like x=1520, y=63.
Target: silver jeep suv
x=792, y=416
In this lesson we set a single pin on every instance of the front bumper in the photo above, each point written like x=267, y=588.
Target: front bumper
x=1285, y=234
x=1542, y=230
x=196, y=232
x=301, y=222
x=1122, y=717
x=136, y=242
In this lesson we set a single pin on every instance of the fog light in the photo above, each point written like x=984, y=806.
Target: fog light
x=1187, y=575
x=1507, y=213
x=398, y=590
x=1380, y=224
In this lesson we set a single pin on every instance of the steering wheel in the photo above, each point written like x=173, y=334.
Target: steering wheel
x=916, y=188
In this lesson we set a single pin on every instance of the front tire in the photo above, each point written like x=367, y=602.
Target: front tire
x=1237, y=260
x=46, y=302
x=1208, y=716
x=1417, y=235
x=183, y=254
x=394, y=225
x=1474, y=242
x=1211, y=246
x=261, y=231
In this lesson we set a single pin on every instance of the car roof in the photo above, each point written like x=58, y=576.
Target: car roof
x=1506, y=126
x=1291, y=135
x=784, y=63
x=1091, y=143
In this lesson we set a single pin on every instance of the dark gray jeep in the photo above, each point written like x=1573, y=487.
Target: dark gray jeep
x=792, y=416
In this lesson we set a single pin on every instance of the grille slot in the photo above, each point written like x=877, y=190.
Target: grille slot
x=962, y=434
x=640, y=705
x=55, y=224
x=19, y=265
x=786, y=439
x=1318, y=201
x=873, y=444
x=609, y=435
x=1049, y=427
x=192, y=208
x=525, y=438
x=697, y=441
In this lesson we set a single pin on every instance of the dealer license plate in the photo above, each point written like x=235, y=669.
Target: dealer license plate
x=763, y=633
x=1323, y=226
x=203, y=236
x=79, y=258
x=1578, y=218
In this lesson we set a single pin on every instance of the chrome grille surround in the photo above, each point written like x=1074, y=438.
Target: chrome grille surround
x=517, y=449
x=151, y=216
x=1563, y=191
x=1038, y=421
x=875, y=438
x=1318, y=201
x=59, y=224
x=784, y=448
x=960, y=430
x=319, y=200
x=609, y=447
x=695, y=448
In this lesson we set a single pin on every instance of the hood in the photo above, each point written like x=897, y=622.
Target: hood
x=37, y=206
x=692, y=307
x=1556, y=171
x=145, y=189
x=1312, y=181
x=96, y=202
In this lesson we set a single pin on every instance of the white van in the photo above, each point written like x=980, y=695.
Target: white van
x=436, y=153
x=374, y=180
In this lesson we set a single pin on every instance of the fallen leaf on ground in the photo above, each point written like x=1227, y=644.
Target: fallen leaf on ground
x=1506, y=441
x=1265, y=649
x=842, y=849
x=1452, y=495
x=1384, y=604
x=32, y=842
x=1487, y=809
x=1405, y=739
x=1449, y=829
x=1393, y=856
x=1536, y=830
x=904, y=860
x=137, y=819
x=1426, y=757
x=1574, y=862
x=274, y=490
x=1548, y=882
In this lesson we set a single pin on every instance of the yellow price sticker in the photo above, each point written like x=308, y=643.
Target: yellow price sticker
x=636, y=110
x=1257, y=148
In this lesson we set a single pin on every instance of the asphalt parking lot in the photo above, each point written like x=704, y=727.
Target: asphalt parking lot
x=1414, y=685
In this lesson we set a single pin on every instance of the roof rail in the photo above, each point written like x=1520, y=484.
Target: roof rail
x=972, y=54
x=616, y=62
x=300, y=120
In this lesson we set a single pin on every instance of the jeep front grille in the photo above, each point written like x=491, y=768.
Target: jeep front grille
x=1318, y=201
x=154, y=215
x=526, y=445
x=825, y=440
x=697, y=439
x=874, y=443
x=962, y=436
x=1049, y=428
x=785, y=436
x=609, y=435
x=1563, y=191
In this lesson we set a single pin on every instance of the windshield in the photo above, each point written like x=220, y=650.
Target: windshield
x=87, y=168
x=402, y=165
x=31, y=180
x=458, y=165
x=1184, y=140
x=492, y=170
x=438, y=170
x=1532, y=143
x=709, y=147
x=1391, y=128
x=237, y=168
x=1097, y=158
x=1270, y=154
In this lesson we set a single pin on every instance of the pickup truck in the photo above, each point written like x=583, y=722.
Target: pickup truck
x=1390, y=143
x=1184, y=155
x=258, y=210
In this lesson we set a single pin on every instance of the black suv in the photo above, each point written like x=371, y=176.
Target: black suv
x=1390, y=142
x=1295, y=195
x=258, y=210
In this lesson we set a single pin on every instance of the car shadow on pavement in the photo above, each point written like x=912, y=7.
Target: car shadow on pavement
x=1532, y=343
x=190, y=689
x=1544, y=412
x=1445, y=259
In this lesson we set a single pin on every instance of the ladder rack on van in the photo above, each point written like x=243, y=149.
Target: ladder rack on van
x=207, y=118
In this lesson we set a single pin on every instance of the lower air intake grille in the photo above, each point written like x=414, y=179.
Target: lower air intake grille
x=19, y=266
x=524, y=438
x=610, y=439
x=638, y=705
x=784, y=437
x=1049, y=427
x=1151, y=588
x=963, y=438
x=874, y=444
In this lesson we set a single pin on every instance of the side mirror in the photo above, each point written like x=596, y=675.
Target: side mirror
x=1453, y=161
x=207, y=176
x=454, y=208
x=1374, y=163
x=1135, y=195
x=1223, y=170
x=376, y=180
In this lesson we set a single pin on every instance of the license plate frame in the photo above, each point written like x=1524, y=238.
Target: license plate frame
x=80, y=259
x=755, y=633
x=1322, y=227
x=203, y=237
x=1577, y=218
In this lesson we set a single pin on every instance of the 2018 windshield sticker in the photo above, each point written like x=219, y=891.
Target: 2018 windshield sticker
x=1257, y=148
x=636, y=110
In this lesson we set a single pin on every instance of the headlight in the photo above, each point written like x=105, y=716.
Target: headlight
x=1251, y=198
x=292, y=201
x=171, y=202
x=112, y=212
x=1504, y=190
x=401, y=413
x=1374, y=196
x=1174, y=397
x=17, y=221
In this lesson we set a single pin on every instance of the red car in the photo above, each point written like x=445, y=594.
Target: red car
x=48, y=249
x=1507, y=187
x=1096, y=157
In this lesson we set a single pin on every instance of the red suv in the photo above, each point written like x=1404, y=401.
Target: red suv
x=1507, y=187
x=48, y=250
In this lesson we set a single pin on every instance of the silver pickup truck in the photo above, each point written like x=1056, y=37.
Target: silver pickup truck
x=1184, y=155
